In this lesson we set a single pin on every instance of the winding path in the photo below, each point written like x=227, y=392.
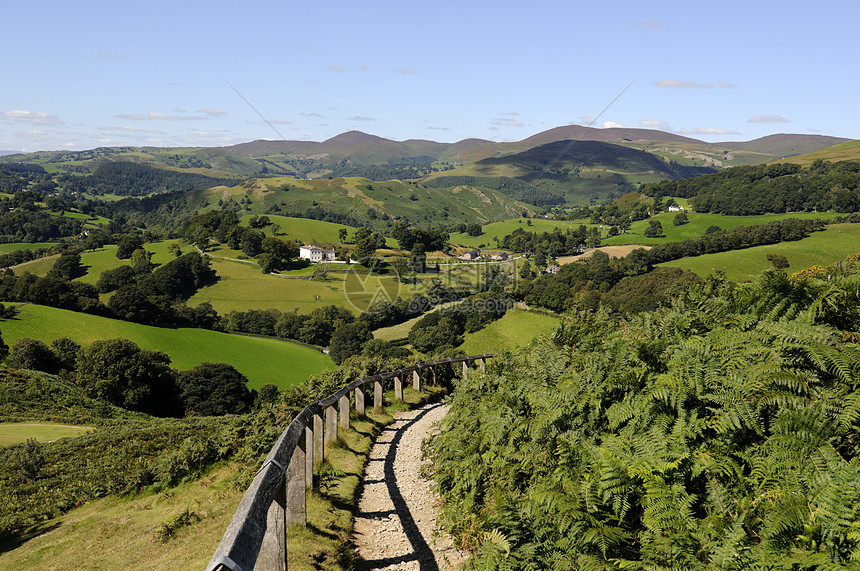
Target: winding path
x=395, y=527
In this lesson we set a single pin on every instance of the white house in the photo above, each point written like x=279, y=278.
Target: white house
x=676, y=208
x=316, y=254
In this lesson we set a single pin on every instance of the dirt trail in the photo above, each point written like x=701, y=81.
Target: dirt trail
x=395, y=527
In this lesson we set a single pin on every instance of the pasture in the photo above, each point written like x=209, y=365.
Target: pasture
x=822, y=248
x=280, y=363
x=516, y=329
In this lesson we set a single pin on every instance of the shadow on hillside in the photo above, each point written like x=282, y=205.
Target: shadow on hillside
x=11, y=541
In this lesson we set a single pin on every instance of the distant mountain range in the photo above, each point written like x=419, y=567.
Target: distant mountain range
x=568, y=164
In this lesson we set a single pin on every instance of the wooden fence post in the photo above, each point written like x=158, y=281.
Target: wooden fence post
x=273, y=549
x=319, y=434
x=330, y=424
x=483, y=363
x=465, y=370
x=434, y=371
x=398, y=386
x=359, y=400
x=309, y=457
x=344, y=412
x=297, y=507
x=377, y=397
x=416, y=380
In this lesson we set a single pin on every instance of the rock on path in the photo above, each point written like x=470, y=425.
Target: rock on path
x=395, y=527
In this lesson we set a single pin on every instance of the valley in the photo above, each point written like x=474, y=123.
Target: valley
x=676, y=319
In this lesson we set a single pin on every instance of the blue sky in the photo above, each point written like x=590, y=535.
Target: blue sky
x=83, y=74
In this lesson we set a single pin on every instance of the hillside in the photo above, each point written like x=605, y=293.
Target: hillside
x=786, y=145
x=358, y=154
x=278, y=362
x=849, y=151
x=366, y=202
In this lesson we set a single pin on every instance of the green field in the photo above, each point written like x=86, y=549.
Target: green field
x=100, y=260
x=303, y=229
x=516, y=329
x=12, y=247
x=17, y=432
x=504, y=227
x=277, y=362
x=698, y=224
x=243, y=286
x=822, y=248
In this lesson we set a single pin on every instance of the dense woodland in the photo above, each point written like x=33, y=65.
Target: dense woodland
x=137, y=179
x=769, y=188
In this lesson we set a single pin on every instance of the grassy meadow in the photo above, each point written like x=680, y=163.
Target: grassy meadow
x=516, y=329
x=15, y=246
x=277, y=362
x=17, y=432
x=822, y=248
x=303, y=229
x=120, y=532
x=698, y=224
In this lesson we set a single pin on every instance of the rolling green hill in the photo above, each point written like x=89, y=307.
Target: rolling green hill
x=366, y=202
x=820, y=248
x=698, y=224
x=277, y=362
x=849, y=151
x=516, y=329
x=595, y=169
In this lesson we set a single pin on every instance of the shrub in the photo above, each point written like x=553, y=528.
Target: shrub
x=32, y=354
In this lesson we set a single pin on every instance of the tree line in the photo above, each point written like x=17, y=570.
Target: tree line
x=761, y=189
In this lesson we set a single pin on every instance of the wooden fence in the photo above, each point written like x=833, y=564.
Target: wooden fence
x=276, y=498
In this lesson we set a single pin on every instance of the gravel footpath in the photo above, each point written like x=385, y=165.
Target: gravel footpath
x=395, y=527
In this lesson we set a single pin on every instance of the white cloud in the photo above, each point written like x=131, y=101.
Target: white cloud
x=156, y=116
x=212, y=111
x=708, y=131
x=511, y=114
x=439, y=128
x=130, y=129
x=768, y=119
x=335, y=67
x=107, y=55
x=31, y=117
x=280, y=122
x=507, y=122
x=612, y=125
x=650, y=24
x=726, y=84
x=360, y=118
x=313, y=115
x=655, y=124
x=404, y=71
x=677, y=83
x=585, y=120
